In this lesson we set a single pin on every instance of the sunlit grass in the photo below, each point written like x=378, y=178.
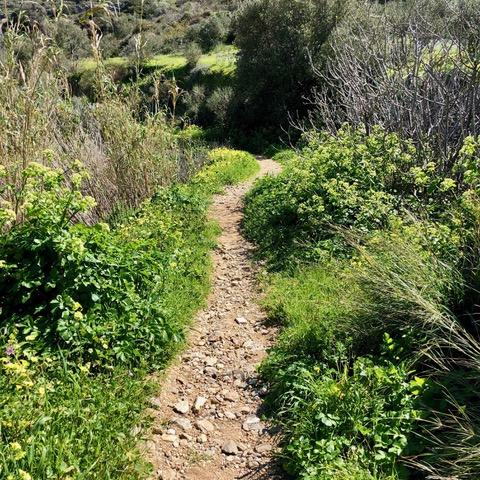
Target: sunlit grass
x=220, y=60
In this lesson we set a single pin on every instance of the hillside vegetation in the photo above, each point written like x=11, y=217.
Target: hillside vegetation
x=120, y=120
x=104, y=259
x=371, y=237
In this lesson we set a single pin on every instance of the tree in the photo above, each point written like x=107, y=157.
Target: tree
x=278, y=40
x=212, y=31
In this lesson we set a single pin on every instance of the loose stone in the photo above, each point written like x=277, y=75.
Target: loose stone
x=230, y=448
x=182, y=407
x=205, y=426
x=199, y=403
x=183, y=423
x=252, y=422
x=231, y=396
x=263, y=448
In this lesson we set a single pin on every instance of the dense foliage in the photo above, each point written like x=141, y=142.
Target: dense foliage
x=278, y=40
x=376, y=249
x=129, y=27
x=79, y=301
x=349, y=181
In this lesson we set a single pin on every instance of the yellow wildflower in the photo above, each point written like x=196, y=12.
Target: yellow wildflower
x=24, y=475
x=17, y=451
x=76, y=306
x=31, y=337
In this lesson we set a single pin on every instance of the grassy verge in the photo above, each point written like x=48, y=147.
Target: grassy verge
x=78, y=341
x=372, y=278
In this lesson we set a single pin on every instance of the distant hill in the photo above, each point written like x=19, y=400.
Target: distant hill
x=167, y=25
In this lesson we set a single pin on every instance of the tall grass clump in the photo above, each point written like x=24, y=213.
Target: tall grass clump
x=128, y=151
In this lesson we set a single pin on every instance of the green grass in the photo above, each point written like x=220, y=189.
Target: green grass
x=63, y=418
x=342, y=376
x=375, y=316
x=70, y=424
x=90, y=64
x=308, y=305
x=221, y=60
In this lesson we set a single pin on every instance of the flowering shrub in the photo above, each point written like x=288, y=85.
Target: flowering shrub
x=107, y=297
x=99, y=295
x=225, y=167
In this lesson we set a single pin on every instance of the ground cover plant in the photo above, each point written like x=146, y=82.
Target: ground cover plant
x=86, y=310
x=372, y=246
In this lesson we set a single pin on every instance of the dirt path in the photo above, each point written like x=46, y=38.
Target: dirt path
x=207, y=423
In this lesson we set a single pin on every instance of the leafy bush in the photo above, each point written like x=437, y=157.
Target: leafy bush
x=284, y=156
x=210, y=32
x=194, y=101
x=276, y=39
x=71, y=39
x=352, y=181
x=342, y=181
x=193, y=53
x=336, y=419
x=101, y=296
x=219, y=103
x=385, y=245
x=86, y=311
x=108, y=297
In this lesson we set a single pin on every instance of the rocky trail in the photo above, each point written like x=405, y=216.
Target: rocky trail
x=207, y=416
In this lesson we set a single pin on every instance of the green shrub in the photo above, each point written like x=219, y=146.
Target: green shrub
x=210, y=32
x=108, y=297
x=277, y=41
x=345, y=181
x=102, y=296
x=192, y=53
x=391, y=244
x=348, y=182
x=350, y=416
x=218, y=103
